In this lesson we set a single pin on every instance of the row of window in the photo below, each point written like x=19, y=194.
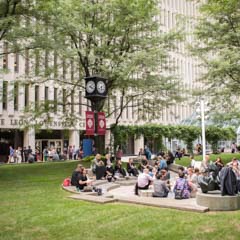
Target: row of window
x=134, y=108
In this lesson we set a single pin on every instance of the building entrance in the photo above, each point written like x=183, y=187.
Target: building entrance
x=9, y=137
x=40, y=144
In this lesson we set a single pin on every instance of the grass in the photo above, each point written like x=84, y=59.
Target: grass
x=34, y=207
x=226, y=157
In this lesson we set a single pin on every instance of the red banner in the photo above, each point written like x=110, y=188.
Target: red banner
x=101, y=130
x=90, y=123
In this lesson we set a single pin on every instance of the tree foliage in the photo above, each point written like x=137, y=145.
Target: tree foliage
x=117, y=39
x=218, y=46
x=188, y=134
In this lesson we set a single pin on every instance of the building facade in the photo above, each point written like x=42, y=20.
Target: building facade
x=18, y=126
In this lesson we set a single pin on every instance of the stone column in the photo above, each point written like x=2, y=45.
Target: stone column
x=29, y=138
x=138, y=143
x=74, y=138
x=107, y=138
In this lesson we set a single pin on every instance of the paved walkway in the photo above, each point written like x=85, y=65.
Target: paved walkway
x=121, y=192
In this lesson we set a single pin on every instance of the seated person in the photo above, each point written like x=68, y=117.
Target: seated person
x=165, y=173
x=143, y=164
x=108, y=159
x=75, y=175
x=100, y=171
x=119, y=171
x=182, y=185
x=192, y=181
x=95, y=162
x=219, y=163
x=162, y=164
x=84, y=181
x=109, y=174
x=144, y=180
x=131, y=169
x=160, y=187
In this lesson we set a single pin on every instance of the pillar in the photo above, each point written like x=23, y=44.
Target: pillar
x=138, y=143
x=107, y=138
x=29, y=138
x=74, y=138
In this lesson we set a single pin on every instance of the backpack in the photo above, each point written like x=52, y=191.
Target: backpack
x=67, y=182
x=179, y=191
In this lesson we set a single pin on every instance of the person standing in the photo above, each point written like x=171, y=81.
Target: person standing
x=45, y=154
x=19, y=155
x=25, y=154
x=11, y=154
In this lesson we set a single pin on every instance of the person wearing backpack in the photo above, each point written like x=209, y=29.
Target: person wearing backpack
x=182, y=188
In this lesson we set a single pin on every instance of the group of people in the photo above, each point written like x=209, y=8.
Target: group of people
x=222, y=172
x=19, y=155
x=153, y=173
x=185, y=185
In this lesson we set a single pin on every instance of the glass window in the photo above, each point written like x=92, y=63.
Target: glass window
x=5, y=95
x=16, y=94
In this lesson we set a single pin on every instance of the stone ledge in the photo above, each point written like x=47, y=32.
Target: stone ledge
x=215, y=202
x=145, y=193
x=95, y=199
x=185, y=205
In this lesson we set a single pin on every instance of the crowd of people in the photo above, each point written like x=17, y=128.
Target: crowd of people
x=20, y=155
x=149, y=173
x=26, y=154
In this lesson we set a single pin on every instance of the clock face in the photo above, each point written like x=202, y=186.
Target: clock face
x=101, y=87
x=90, y=87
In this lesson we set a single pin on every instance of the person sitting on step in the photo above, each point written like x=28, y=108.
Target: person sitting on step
x=144, y=180
x=160, y=186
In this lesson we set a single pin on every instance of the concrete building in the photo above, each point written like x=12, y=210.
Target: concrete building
x=16, y=97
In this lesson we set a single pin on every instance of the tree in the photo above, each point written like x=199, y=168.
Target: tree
x=218, y=46
x=119, y=40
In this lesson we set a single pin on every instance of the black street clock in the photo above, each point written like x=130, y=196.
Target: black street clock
x=96, y=88
x=96, y=91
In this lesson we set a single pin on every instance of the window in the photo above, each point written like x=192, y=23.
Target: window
x=26, y=91
x=26, y=62
x=16, y=94
x=46, y=98
x=55, y=99
x=5, y=96
x=5, y=56
x=37, y=62
x=64, y=68
x=55, y=65
x=36, y=96
x=72, y=102
x=16, y=63
x=46, y=63
x=80, y=103
x=64, y=100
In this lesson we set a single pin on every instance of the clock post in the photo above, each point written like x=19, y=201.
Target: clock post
x=96, y=91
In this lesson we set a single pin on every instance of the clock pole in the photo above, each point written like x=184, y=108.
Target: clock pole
x=96, y=92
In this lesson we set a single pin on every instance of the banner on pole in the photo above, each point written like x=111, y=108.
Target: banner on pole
x=101, y=128
x=90, y=123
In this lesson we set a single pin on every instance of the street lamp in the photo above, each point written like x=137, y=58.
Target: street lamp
x=201, y=110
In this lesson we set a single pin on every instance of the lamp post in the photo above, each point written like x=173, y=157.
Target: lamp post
x=201, y=110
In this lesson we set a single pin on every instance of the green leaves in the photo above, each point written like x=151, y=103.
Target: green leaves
x=188, y=134
x=217, y=44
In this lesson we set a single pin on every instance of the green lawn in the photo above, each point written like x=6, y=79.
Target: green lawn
x=33, y=206
x=226, y=157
